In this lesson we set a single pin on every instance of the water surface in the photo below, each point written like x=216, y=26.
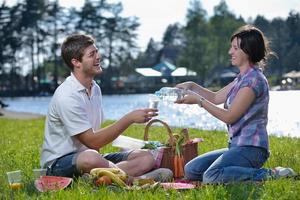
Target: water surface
x=284, y=111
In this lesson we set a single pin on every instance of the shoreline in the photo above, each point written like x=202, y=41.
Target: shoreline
x=8, y=114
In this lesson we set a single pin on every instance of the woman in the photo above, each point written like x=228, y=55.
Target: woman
x=245, y=112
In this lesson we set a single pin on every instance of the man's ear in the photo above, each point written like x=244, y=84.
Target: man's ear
x=75, y=62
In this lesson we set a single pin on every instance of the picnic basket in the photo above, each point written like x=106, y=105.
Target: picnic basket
x=189, y=148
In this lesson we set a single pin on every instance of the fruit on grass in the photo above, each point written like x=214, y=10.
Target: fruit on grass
x=114, y=178
x=117, y=171
x=95, y=171
x=103, y=180
x=52, y=183
x=117, y=176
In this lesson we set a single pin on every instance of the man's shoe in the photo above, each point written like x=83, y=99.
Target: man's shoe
x=159, y=175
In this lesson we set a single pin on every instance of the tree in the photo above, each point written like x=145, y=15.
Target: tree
x=221, y=26
x=173, y=35
x=114, y=33
x=32, y=13
x=119, y=35
x=10, y=21
x=292, y=59
x=5, y=26
x=277, y=34
x=150, y=56
x=173, y=40
x=54, y=11
x=91, y=18
x=195, y=44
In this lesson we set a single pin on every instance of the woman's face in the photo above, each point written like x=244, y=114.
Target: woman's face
x=238, y=56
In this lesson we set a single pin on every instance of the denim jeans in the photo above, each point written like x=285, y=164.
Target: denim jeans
x=229, y=165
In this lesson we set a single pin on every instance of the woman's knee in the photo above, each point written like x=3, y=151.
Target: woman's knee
x=188, y=172
x=211, y=176
x=192, y=171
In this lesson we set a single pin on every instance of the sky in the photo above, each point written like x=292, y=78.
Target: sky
x=155, y=15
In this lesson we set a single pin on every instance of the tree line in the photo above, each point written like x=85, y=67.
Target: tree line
x=32, y=30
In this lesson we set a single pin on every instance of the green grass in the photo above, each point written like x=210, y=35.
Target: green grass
x=21, y=141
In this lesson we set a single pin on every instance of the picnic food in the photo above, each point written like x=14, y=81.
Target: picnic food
x=178, y=144
x=116, y=175
x=178, y=158
x=52, y=183
x=103, y=180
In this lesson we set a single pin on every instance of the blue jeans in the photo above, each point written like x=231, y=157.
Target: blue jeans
x=229, y=165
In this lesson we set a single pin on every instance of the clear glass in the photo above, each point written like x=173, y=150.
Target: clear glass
x=153, y=101
x=15, y=179
x=37, y=173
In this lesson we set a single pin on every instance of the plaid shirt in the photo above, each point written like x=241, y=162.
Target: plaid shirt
x=251, y=128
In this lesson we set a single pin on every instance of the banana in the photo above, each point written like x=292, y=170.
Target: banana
x=117, y=171
x=122, y=176
x=95, y=171
x=115, y=179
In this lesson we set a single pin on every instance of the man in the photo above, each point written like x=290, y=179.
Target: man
x=72, y=134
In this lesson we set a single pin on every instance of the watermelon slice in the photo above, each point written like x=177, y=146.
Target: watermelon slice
x=52, y=183
x=177, y=186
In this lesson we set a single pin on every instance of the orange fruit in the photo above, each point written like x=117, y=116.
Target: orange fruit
x=103, y=180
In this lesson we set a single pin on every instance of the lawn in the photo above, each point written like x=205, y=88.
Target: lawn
x=20, y=149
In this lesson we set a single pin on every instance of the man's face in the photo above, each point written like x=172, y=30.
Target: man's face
x=91, y=61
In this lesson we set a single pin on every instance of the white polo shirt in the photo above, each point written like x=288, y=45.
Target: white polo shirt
x=71, y=111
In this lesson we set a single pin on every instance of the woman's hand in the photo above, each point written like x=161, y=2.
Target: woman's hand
x=185, y=85
x=190, y=97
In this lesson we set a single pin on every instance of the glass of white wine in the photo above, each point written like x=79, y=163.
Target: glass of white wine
x=15, y=179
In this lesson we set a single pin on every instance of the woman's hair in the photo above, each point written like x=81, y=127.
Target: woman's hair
x=254, y=44
x=74, y=46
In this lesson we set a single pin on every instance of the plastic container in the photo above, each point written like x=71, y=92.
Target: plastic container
x=169, y=94
x=153, y=101
x=125, y=142
x=37, y=173
x=15, y=179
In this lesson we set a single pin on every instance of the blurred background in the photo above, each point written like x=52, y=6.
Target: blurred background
x=194, y=48
x=147, y=45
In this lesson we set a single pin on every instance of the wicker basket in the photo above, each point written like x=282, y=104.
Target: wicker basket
x=189, y=150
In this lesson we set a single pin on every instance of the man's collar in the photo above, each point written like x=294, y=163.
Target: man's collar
x=79, y=86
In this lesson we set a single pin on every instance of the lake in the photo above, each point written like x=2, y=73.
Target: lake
x=284, y=111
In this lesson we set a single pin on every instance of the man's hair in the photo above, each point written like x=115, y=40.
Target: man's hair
x=253, y=43
x=74, y=46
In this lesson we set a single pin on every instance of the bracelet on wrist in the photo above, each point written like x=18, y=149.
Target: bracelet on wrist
x=201, y=102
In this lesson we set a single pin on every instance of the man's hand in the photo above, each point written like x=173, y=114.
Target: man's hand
x=142, y=115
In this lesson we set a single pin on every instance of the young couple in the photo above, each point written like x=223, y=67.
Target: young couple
x=73, y=138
